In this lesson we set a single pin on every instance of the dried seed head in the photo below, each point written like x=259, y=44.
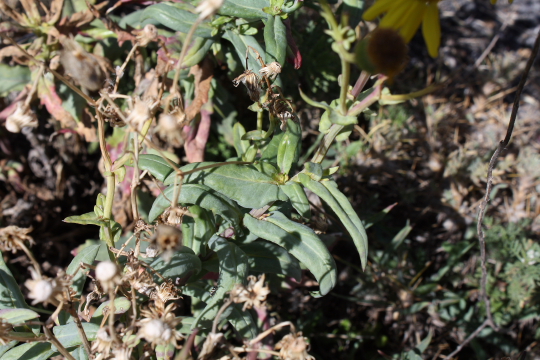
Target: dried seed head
x=45, y=290
x=122, y=353
x=168, y=238
x=252, y=83
x=169, y=128
x=22, y=117
x=294, y=347
x=140, y=280
x=103, y=342
x=271, y=70
x=139, y=114
x=175, y=215
x=110, y=115
x=158, y=327
x=208, y=8
x=254, y=294
x=108, y=275
x=81, y=65
x=12, y=237
x=5, y=329
x=165, y=292
x=211, y=344
x=145, y=36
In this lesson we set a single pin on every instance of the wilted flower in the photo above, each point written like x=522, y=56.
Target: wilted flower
x=22, y=117
x=45, y=290
x=167, y=238
x=140, y=279
x=5, y=329
x=108, y=275
x=252, y=82
x=169, y=127
x=208, y=8
x=212, y=343
x=145, y=36
x=103, y=342
x=81, y=65
x=12, y=237
x=254, y=294
x=165, y=292
x=175, y=215
x=271, y=70
x=159, y=327
x=122, y=353
x=139, y=114
x=293, y=347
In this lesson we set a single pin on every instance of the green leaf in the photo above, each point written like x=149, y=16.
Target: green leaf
x=298, y=198
x=156, y=165
x=198, y=50
x=182, y=262
x=121, y=305
x=241, y=43
x=242, y=321
x=72, y=102
x=165, y=351
x=10, y=294
x=5, y=348
x=68, y=335
x=270, y=152
x=241, y=183
x=198, y=195
x=233, y=268
x=174, y=16
x=86, y=219
x=267, y=257
x=415, y=354
x=246, y=9
x=203, y=227
x=329, y=193
x=289, y=147
x=79, y=353
x=30, y=351
x=86, y=256
x=240, y=145
x=275, y=39
x=14, y=78
x=18, y=316
x=355, y=10
x=301, y=242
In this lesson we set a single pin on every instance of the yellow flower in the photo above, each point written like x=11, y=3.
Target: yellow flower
x=406, y=17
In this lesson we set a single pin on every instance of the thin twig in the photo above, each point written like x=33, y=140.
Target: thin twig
x=468, y=340
x=57, y=343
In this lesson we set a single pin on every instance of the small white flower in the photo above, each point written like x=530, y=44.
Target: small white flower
x=208, y=8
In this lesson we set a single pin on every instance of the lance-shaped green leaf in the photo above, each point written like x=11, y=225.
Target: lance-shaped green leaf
x=289, y=147
x=30, y=351
x=18, y=316
x=85, y=256
x=198, y=50
x=301, y=242
x=241, y=43
x=275, y=39
x=200, y=226
x=176, y=17
x=240, y=145
x=242, y=321
x=298, y=198
x=182, y=262
x=267, y=257
x=155, y=165
x=10, y=294
x=16, y=77
x=121, y=305
x=198, y=195
x=241, y=183
x=90, y=218
x=69, y=337
x=330, y=194
x=233, y=269
x=79, y=353
x=270, y=152
x=5, y=348
x=246, y=9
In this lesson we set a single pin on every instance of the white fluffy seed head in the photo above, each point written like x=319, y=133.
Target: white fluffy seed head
x=156, y=331
x=42, y=291
x=106, y=271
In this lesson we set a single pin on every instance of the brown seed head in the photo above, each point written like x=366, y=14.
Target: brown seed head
x=387, y=51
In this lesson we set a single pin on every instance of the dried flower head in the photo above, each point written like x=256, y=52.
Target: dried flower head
x=293, y=347
x=22, y=117
x=165, y=292
x=110, y=115
x=108, y=275
x=271, y=70
x=254, y=294
x=175, y=215
x=158, y=327
x=252, y=83
x=5, y=329
x=208, y=8
x=81, y=65
x=140, y=113
x=13, y=237
x=169, y=128
x=46, y=290
x=103, y=342
x=122, y=353
x=211, y=344
x=145, y=36
x=168, y=239
x=140, y=279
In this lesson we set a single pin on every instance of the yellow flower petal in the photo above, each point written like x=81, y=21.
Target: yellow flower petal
x=377, y=9
x=414, y=19
x=431, y=29
x=397, y=15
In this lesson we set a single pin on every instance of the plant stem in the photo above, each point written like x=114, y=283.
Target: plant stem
x=345, y=79
x=57, y=343
x=327, y=141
